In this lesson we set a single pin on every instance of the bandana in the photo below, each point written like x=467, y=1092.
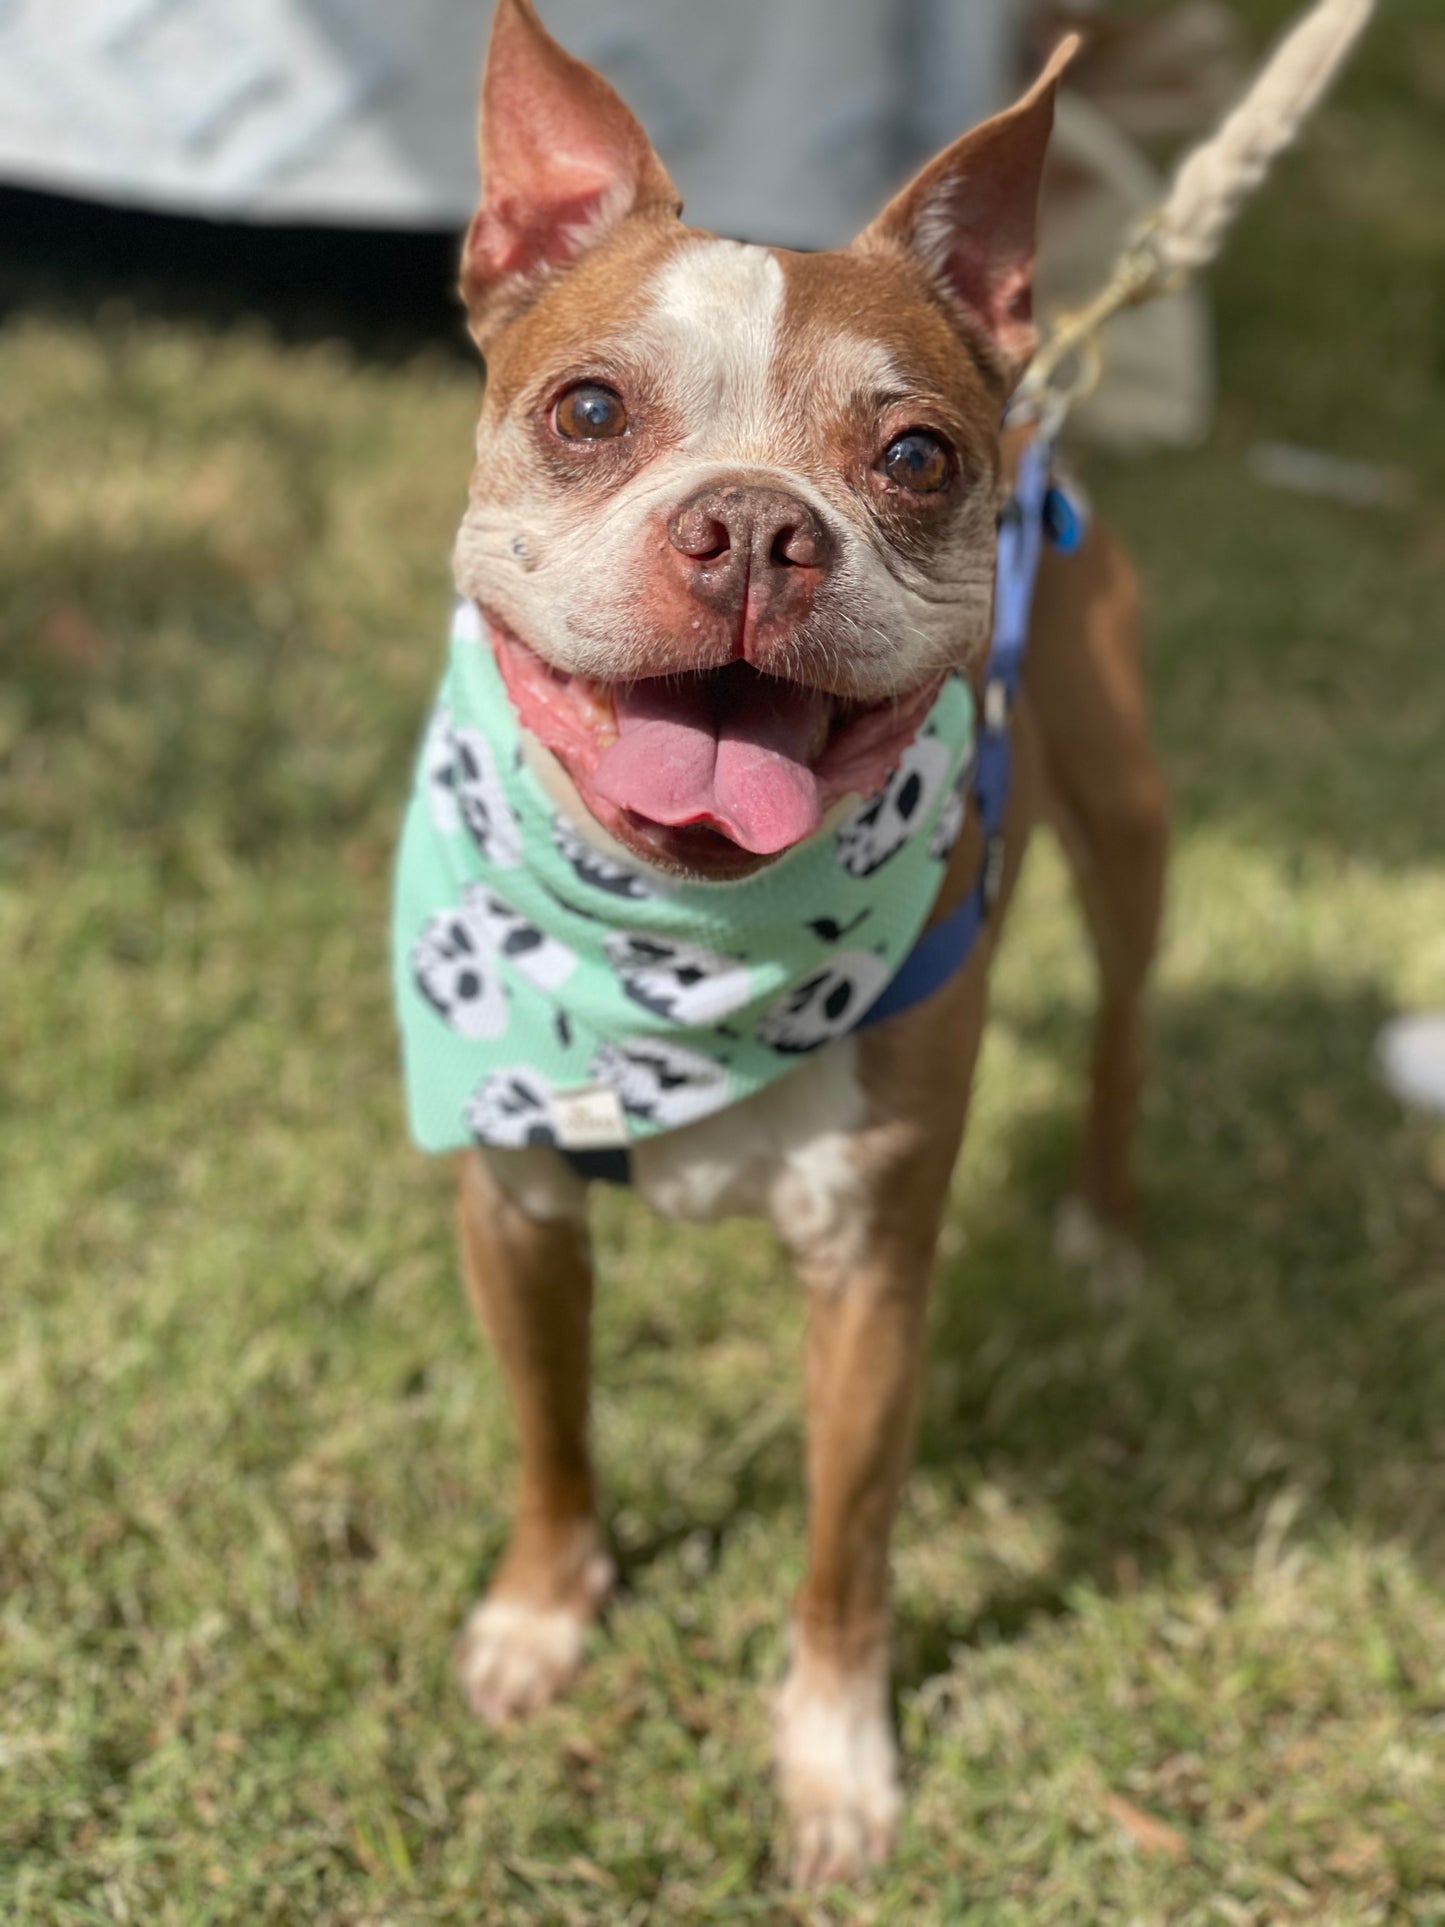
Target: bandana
x=550, y=994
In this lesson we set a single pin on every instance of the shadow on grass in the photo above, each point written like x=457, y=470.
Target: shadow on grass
x=1284, y=1361
x=1290, y=1339
x=386, y=292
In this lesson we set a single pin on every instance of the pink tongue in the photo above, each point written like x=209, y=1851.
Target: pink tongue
x=729, y=750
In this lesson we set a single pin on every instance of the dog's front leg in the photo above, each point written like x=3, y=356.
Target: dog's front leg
x=837, y=1760
x=867, y=1261
x=530, y=1280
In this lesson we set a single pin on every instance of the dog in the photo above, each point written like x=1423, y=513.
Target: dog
x=729, y=552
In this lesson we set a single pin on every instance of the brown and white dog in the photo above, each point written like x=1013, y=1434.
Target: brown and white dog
x=701, y=464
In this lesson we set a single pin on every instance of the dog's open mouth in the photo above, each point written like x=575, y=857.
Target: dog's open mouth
x=713, y=764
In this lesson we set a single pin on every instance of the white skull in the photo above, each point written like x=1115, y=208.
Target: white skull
x=511, y=1108
x=544, y=961
x=826, y=1004
x=599, y=872
x=681, y=981
x=881, y=828
x=482, y=800
x=439, y=771
x=661, y=1081
x=453, y=963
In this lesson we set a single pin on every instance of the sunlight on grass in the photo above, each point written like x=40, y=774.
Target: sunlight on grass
x=1171, y=1627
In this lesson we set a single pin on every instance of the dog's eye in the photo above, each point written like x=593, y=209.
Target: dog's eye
x=590, y=413
x=918, y=462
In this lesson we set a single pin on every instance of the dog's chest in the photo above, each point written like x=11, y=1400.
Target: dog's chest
x=782, y=1153
x=785, y=1153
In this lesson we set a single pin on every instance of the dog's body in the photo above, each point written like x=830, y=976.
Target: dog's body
x=773, y=495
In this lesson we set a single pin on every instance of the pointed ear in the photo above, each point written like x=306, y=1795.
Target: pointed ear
x=563, y=161
x=970, y=215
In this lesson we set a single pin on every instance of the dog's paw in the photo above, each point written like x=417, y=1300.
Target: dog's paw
x=1108, y=1257
x=513, y=1658
x=838, y=1776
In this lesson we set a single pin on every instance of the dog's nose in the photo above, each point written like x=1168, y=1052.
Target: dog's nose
x=733, y=538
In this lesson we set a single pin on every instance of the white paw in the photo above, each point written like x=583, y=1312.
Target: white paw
x=513, y=1659
x=1110, y=1258
x=838, y=1774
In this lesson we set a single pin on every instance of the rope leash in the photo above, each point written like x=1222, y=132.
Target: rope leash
x=1210, y=187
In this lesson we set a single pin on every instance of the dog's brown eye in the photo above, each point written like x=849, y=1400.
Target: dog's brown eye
x=590, y=413
x=918, y=462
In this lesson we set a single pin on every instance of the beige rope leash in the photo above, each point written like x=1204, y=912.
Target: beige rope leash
x=1210, y=187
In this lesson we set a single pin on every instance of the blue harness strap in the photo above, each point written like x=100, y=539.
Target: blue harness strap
x=944, y=947
x=1038, y=508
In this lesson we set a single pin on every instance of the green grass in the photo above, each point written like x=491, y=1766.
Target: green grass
x=1188, y=1554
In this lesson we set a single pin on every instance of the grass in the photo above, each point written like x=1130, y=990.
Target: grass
x=1171, y=1577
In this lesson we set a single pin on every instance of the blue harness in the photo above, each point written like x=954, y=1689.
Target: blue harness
x=1039, y=507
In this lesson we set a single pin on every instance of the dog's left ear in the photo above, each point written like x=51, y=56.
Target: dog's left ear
x=563, y=161
x=971, y=215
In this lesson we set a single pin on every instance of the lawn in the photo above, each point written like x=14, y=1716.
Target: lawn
x=1171, y=1574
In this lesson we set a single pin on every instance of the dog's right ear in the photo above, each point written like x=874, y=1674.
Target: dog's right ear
x=563, y=161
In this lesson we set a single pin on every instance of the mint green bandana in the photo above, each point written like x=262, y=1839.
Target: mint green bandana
x=549, y=994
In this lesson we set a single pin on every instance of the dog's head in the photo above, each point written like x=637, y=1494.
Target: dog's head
x=733, y=514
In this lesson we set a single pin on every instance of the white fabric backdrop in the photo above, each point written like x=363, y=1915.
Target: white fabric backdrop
x=783, y=120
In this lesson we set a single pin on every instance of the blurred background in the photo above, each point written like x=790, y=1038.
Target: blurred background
x=789, y=125
x=1171, y=1611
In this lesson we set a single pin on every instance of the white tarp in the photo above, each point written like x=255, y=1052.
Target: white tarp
x=783, y=120
x=267, y=110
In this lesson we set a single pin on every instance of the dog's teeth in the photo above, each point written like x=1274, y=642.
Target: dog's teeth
x=594, y=699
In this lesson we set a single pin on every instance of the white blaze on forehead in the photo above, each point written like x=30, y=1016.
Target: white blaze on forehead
x=713, y=326
x=714, y=331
